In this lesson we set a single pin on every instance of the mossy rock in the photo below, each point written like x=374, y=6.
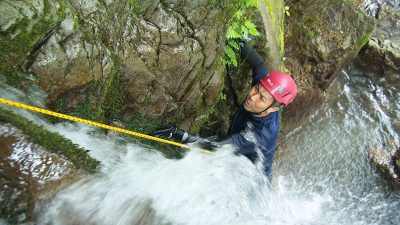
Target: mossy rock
x=24, y=33
x=51, y=141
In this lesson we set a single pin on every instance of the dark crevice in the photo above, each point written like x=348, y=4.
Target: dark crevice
x=231, y=88
x=159, y=34
x=35, y=49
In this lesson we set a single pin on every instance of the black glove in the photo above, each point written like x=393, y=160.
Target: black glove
x=171, y=132
x=180, y=135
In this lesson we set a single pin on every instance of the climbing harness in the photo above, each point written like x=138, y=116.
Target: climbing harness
x=92, y=123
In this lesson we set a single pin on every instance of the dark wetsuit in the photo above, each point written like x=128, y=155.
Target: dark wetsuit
x=250, y=133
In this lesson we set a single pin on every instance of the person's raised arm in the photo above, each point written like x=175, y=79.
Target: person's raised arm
x=256, y=62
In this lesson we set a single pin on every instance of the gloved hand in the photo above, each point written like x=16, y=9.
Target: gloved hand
x=171, y=132
x=240, y=41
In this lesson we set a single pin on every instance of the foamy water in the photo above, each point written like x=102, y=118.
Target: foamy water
x=139, y=185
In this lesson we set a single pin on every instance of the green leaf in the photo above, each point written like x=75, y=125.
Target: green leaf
x=251, y=27
x=231, y=55
x=223, y=61
x=238, y=15
x=252, y=3
x=236, y=26
x=244, y=31
x=287, y=10
x=234, y=62
x=229, y=52
x=232, y=33
x=233, y=44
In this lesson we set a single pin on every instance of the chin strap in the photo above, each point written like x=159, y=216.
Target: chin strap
x=259, y=113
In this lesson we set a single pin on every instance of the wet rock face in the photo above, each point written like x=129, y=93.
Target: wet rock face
x=321, y=37
x=170, y=58
x=63, y=66
x=23, y=26
x=28, y=175
x=386, y=160
x=381, y=56
x=164, y=57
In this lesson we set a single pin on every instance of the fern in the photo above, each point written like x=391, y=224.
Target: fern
x=234, y=45
x=233, y=31
x=239, y=26
x=230, y=53
x=251, y=28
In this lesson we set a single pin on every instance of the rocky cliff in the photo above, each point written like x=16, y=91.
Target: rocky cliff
x=118, y=59
x=157, y=61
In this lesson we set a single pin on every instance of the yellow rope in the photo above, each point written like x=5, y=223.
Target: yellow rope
x=76, y=119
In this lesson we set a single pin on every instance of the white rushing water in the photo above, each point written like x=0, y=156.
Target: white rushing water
x=139, y=186
x=321, y=172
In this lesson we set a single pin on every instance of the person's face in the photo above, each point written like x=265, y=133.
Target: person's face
x=258, y=100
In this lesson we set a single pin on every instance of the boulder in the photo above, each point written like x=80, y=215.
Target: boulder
x=321, y=37
x=381, y=56
x=386, y=159
x=65, y=63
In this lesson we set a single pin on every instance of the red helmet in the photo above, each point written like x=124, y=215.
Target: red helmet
x=281, y=86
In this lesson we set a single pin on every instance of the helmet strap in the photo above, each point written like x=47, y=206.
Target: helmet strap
x=270, y=106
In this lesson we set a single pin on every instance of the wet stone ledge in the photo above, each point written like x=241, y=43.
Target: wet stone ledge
x=29, y=175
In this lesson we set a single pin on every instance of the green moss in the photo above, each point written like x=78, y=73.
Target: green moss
x=308, y=27
x=85, y=109
x=17, y=42
x=203, y=117
x=114, y=104
x=145, y=125
x=363, y=40
x=314, y=23
x=51, y=141
x=226, y=10
x=57, y=106
x=14, y=78
x=276, y=11
x=103, y=101
x=134, y=6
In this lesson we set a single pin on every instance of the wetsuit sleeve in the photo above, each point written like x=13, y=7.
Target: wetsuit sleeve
x=244, y=147
x=256, y=62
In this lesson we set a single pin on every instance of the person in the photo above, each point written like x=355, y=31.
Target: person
x=255, y=125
